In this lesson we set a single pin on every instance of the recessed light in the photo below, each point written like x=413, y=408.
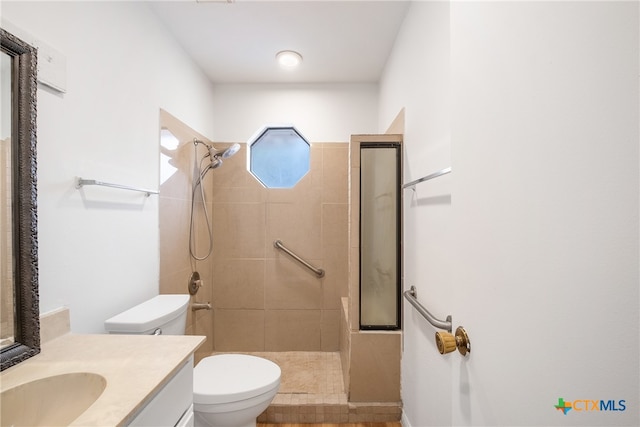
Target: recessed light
x=289, y=58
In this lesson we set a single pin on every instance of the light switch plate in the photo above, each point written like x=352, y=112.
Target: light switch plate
x=52, y=67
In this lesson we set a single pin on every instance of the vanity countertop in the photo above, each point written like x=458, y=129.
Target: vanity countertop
x=135, y=367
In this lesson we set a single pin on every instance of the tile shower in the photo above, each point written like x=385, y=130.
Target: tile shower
x=263, y=301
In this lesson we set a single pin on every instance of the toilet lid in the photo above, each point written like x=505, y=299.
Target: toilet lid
x=225, y=378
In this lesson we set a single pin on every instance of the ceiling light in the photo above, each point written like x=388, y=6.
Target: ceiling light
x=289, y=58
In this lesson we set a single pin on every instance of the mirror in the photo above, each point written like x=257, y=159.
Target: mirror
x=20, y=315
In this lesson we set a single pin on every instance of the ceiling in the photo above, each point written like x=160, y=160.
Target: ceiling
x=236, y=42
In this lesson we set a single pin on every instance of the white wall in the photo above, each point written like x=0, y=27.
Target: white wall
x=417, y=78
x=321, y=112
x=539, y=256
x=98, y=248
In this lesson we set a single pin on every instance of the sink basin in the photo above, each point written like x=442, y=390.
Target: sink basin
x=50, y=401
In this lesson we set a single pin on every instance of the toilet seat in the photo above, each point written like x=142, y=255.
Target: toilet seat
x=226, y=378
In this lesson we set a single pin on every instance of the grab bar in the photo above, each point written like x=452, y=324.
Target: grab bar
x=80, y=182
x=411, y=295
x=428, y=177
x=317, y=271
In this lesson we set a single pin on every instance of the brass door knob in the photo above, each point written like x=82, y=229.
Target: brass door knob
x=447, y=343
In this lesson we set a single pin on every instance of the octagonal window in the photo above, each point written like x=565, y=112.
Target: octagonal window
x=279, y=157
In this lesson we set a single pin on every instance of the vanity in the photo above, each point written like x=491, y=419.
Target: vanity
x=108, y=380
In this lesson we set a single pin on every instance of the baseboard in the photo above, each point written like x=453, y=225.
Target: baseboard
x=404, y=420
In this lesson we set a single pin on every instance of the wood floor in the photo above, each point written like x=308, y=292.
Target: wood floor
x=387, y=424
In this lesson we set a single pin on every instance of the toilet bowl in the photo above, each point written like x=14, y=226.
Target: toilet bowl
x=244, y=386
x=229, y=390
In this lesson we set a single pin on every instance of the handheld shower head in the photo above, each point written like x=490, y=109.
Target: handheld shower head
x=231, y=151
x=225, y=153
x=216, y=162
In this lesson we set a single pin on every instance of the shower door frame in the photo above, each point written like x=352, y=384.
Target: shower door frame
x=397, y=146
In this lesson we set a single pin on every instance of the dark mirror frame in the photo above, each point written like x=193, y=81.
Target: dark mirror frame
x=24, y=200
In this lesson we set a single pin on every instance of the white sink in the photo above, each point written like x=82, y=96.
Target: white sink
x=50, y=401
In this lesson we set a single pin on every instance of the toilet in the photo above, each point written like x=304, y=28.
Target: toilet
x=229, y=390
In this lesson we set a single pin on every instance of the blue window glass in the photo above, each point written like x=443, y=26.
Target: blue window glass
x=279, y=157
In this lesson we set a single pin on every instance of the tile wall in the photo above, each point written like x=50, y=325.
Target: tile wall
x=176, y=265
x=262, y=299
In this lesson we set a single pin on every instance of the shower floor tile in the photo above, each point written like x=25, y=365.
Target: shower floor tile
x=312, y=391
x=308, y=372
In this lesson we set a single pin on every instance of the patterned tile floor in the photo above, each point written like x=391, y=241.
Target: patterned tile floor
x=307, y=372
x=312, y=391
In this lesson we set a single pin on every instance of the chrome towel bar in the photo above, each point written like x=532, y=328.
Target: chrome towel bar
x=317, y=271
x=428, y=177
x=411, y=295
x=81, y=182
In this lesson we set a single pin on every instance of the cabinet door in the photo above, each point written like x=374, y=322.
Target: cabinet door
x=171, y=403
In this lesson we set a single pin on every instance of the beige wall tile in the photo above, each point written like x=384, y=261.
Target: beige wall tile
x=233, y=171
x=292, y=330
x=335, y=167
x=239, y=230
x=238, y=283
x=316, y=164
x=375, y=367
x=201, y=323
x=239, y=330
x=177, y=282
x=335, y=244
x=201, y=241
x=330, y=332
x=397, y=125
x=294, y=194
x=298, y=225
x=335, y=283
x=178, y=184
x=174, y=234
x=335, y=225
x=289, y=285
x=245, y=194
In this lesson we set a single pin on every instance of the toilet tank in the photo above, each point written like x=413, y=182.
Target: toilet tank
x=165, y=314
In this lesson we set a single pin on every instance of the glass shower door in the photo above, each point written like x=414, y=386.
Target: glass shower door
x=380, y=236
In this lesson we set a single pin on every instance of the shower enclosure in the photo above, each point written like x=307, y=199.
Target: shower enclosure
x=264, y=301
x=370, y=338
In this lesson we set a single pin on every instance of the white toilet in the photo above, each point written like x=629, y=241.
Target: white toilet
x=229, y=390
